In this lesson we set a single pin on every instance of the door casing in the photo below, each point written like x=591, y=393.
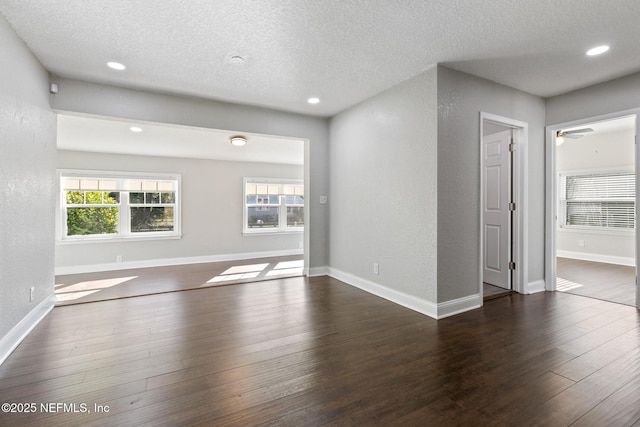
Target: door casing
x=551, y=192
x=520, y=131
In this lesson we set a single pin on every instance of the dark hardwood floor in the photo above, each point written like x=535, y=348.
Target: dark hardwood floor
x=609, y=282
x=491, y=292
x=310, y=352
x=106, y=285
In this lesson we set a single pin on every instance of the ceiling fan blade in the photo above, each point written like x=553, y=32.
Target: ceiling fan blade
x=583, y=130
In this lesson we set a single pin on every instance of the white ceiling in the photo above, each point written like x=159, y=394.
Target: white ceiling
x=342, y=51
x=115, y=136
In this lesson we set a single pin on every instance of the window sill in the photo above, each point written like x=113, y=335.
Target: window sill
x=117, y=239
x=602, y=232
x=270, y=233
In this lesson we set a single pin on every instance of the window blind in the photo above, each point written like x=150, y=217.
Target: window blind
x=600, y=200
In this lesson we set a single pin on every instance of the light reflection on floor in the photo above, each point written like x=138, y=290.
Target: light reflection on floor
x=564, y=285
x=82, y=289
x=254, y=271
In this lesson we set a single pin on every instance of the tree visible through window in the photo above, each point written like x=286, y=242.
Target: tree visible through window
x=111, y=206
x=92, y=212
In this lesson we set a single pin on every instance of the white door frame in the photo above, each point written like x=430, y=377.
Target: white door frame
x=520, y=234
x=551, y=192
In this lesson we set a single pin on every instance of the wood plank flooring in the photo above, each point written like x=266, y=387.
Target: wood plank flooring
x=106, y=285
x=609, y=282
x=313, y=352
x=491, y=292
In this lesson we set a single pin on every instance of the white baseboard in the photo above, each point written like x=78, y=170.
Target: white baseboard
x=163, y=262
x=428, y=308
x=318, y=271
x=534, y=287
x=19, y=332
x=608, y=259
x=460, y=305
x=416, y=304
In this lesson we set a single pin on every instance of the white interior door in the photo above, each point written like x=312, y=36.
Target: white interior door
x=496, y=219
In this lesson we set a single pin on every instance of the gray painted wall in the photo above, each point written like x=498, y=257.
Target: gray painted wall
x=96, y=99
x=211, y=209
x=27, y=177
x=461, y=98
x=610, y=97
x=383, y=188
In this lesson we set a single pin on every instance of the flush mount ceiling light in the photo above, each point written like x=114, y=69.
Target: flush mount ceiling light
x=238, y=140
x=598, y=50
x=135, y=129
x=313, y=100
x=116, y=66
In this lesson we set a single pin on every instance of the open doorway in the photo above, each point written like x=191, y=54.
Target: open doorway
x=503, y=211
x=594, y=244
x=136, y=195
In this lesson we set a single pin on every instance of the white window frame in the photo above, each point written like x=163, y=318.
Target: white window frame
x=120, y=179
x=282, y=214
x=561, y=214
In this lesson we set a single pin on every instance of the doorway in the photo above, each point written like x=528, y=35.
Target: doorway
x=591, y=214
x=503, y=146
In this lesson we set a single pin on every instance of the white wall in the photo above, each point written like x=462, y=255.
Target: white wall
x=89, y=98
x=612, y=151
x=211, y=210
x=461, y=98
x=27, y=182
x=383, y=188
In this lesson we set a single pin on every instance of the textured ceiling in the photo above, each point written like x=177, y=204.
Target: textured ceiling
x=342, y=51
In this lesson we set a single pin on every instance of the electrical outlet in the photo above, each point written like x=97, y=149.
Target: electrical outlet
x=118, y=258
x=31, y=291
x=376, y=268
x=581, y=243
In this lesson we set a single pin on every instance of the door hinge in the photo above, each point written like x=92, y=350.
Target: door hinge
x=512, y=206
x=512, y=147
x=512, y=265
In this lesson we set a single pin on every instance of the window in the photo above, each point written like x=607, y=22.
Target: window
x=272, y=206
x=598, y=201
x=111, y=205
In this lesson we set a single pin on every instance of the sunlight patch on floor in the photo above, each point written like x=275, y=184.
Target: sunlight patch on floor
x=289, y=264
x=253, y=271
x=229, y=277
x=285, y=271
x=81, y=289
x=564, y=285
x=245, y=269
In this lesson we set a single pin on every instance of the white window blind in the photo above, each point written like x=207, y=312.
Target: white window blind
x=605, y=200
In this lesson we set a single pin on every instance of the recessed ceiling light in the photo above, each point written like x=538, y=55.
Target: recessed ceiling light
x=116, y=66
x=135, y=129
x=597, y=50
x=238, y=140
x=313, y=100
